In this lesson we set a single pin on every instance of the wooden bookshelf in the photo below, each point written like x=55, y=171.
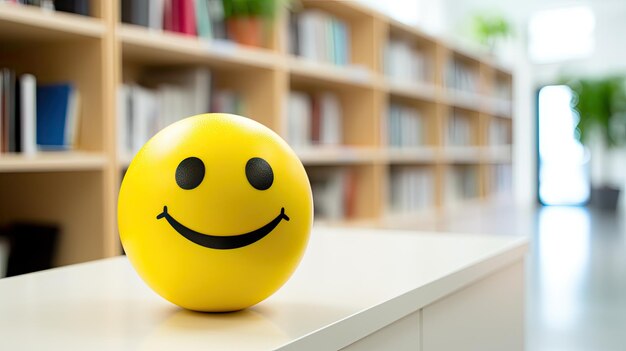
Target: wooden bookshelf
x=78, y=189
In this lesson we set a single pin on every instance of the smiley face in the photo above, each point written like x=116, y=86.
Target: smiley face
x=214, y=212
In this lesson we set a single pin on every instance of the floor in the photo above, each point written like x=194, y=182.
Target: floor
x=576, y=272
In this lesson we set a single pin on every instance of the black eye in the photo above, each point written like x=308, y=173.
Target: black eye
x=189, y=173
x=259, y=173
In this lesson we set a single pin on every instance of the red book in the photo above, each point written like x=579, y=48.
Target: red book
x=187, y=15
x=168, y=15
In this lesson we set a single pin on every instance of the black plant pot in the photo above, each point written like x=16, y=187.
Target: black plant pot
x=605, y=198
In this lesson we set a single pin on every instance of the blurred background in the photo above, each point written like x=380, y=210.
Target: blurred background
x=491, y=117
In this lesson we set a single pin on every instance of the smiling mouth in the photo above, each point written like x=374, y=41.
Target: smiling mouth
x=223, y=242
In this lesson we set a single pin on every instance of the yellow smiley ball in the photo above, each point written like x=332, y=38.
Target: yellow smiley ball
x=214, y=212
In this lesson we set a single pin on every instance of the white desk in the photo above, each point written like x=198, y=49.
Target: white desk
x=356, y=289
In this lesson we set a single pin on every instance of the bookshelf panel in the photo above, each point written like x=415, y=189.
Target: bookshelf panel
x=346, y=192
x=359, y=107
x=410, y=189
x=410, y=123
x=79, y=63
x=52, y=162
x=72, y=200
x=409, y=55
x=20, y=23
x=497, y=180
x=180, y=91
x=152, y=47
x=461, y=184
x=362, y=26
x=462, y=128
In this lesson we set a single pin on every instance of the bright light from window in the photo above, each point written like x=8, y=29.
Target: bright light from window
x=561, y=34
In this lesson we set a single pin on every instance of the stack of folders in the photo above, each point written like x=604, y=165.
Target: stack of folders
x=80, y=7
x=334, y=192
x=201, y=18
x=313, y=119
x=411, y=189
x=319, y=36
x=404, y=62
x=459, y=129
x=33, y=117
x=405, y=126
x=461, y=76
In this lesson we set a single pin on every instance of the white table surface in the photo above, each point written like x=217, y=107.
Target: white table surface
x=350, y=283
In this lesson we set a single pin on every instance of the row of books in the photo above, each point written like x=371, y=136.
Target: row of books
x=459, y=129
x=313, y=119
x=499, y=132
x=202, y=18
x=461, y=183
x=165, y=96
x=404, y=62
x=81, y=7
x=36, y=117
x=334, y=192
x=461, y=76
x=503, y=89
x=411, y=189
x=319, y=36
x=500, y=179
x=405, y=126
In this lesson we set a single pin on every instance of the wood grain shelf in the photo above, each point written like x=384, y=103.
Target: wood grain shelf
x=52, y=162
x=338, y=155
x=20, y=23
x=328, y=74
x=412, y=155
x=156, y=47
x=498, y=154
x=417, y=91
x=462, y=154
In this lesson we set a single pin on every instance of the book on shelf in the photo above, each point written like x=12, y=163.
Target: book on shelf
x=461, y=183
x=319, y=36
x=334, y=192
x=411, y=189
x=404, y=62
x=313, y=119
x=500, y=180
x=37, y=117
x=201, y=18
x=58, y=107
x=461, y=76
x=165, y=96
x=227, y=101
x=79, y=7
x=499, y=132
x=405, y=126
x=459, y=129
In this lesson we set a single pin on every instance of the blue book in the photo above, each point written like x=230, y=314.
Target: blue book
x=56, y=116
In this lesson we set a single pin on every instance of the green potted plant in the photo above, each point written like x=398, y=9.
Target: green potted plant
x=248, y=21
x=489, y=29
x=601, y=107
